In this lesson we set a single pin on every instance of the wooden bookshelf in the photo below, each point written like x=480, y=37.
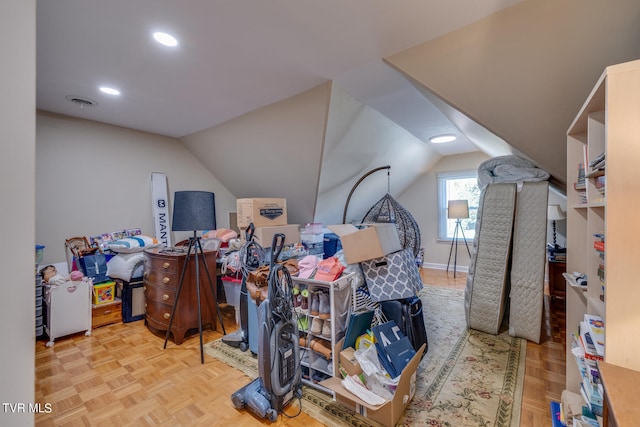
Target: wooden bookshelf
x=608, y=122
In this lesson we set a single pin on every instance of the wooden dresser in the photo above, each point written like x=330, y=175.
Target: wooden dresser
x=162, y=269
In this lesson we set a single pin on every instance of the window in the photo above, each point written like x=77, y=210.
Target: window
x=457, y=186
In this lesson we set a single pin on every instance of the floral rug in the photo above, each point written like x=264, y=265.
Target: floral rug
x=467, y=377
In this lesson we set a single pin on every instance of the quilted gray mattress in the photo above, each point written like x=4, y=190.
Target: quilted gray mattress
x=528, y=253
x=485, y=292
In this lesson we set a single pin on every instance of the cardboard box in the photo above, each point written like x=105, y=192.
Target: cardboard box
x=374, y=241
x=388, y=413
x=348, y=361
x=261, y=212
x=264, y=235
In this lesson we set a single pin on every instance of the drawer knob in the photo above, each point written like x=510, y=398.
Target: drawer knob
x=146, y=273
x=145, y=305
x=165, y=297
x=167, y=316
x=144, y=288
x=166, y=280
x=107, y=312
x=165, y=264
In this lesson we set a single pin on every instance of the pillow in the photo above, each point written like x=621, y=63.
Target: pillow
x=133, y=244
x=125, y=266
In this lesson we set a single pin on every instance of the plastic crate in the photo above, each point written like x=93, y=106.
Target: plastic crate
x=232, y=287
x=104, y=292
x=39, y=253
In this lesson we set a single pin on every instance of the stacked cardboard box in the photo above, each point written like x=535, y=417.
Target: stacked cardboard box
x=269, y=217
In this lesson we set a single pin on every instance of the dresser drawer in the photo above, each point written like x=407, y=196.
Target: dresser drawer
x=106, y=314
x=159, y=294
x=161, y=278
x=160, y=313
x=169, y=264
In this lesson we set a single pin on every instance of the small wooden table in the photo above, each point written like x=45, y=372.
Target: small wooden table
x=620, y=395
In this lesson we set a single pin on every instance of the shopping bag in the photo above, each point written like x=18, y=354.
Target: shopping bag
x=94, y=267
x=392, y=276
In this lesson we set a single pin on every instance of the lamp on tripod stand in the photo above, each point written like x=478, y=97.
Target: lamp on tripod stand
x=458, y=210
x=193, y=211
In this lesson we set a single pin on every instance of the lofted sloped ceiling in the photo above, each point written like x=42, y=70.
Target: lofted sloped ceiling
x=524, y=72
x=249, y=91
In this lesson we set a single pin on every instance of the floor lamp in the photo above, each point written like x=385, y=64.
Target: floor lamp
x=193, y=211
x=457, y=209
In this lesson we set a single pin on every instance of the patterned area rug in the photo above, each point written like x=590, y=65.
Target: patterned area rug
x=467, y=377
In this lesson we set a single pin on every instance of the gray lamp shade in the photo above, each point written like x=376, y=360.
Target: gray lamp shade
x=458, y=209
x=193, y=210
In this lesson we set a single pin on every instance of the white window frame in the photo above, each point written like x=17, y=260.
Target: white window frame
x=442, y=179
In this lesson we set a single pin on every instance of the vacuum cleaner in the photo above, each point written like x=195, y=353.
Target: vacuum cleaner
x=279, y=372
x=251, y=257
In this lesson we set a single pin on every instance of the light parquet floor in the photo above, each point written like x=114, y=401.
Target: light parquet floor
x=122, y=376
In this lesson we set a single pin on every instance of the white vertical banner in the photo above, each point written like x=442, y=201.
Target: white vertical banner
x=160, y=208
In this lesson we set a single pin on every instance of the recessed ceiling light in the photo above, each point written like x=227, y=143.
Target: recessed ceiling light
x=442, y=138
x=165, y=39
x=109, y=90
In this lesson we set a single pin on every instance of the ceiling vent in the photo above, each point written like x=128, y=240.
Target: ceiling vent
x=81, y=101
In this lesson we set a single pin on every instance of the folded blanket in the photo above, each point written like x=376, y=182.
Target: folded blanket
x=509, y=169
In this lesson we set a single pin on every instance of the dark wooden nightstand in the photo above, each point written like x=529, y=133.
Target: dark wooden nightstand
x=557, y=284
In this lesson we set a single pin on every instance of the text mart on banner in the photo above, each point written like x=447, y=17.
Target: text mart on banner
x=160, y=208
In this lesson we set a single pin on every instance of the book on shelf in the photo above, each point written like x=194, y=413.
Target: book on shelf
x=599, y=245
x=588, y=345
x=580, y=183
x=599, y=160
x=585, y=421
x=595, y=325
x=582, y=197
x=557, y=420
x=592, y=397
x=558, y=258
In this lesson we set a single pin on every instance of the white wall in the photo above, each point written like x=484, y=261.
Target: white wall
x=94, y=178
x=358, y=140
x=421, y=199
x=17, y=167
x=273, y=151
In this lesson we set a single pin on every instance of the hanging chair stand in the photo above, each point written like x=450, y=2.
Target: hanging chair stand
x=346, y=206
x=388, y=210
